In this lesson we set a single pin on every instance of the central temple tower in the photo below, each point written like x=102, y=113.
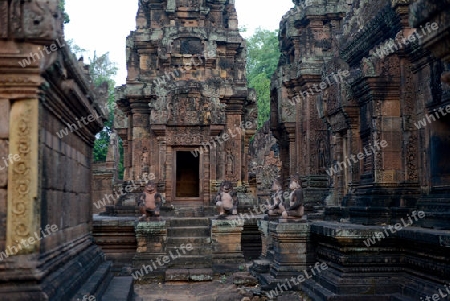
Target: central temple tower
x=186, y=114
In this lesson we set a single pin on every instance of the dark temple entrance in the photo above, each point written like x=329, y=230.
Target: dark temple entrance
x=188, y=175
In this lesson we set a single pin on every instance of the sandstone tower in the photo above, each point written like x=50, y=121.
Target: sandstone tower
x=187, y=114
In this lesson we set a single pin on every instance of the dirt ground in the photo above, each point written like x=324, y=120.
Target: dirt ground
x=217, y=290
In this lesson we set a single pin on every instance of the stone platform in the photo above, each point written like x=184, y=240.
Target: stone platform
x=405, y=265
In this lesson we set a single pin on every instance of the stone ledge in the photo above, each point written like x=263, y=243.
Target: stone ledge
x=339, y=230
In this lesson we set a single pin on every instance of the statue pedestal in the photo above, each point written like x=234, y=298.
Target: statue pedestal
x=226, y=244
x=287, y=252
x=151, y=249
x=291, y=247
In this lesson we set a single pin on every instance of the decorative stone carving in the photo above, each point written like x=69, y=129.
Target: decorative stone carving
x=23, y=175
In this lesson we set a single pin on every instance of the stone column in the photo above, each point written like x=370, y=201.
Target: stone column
x=293, y=156
x=161, y=175
x=213, y=166
x=170, y=184
x=140, y=136
x=128, y=159
x=126, y=155
x=338, y=178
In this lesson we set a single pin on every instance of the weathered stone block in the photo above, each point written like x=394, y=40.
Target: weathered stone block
x=200, y=274
x=151, y=237
x=244, y=278
x=226, y=244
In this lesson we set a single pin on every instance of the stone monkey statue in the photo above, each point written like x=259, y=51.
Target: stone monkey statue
x=150, y=202
x=276, y=206
x=296, y=208
x=226, y=199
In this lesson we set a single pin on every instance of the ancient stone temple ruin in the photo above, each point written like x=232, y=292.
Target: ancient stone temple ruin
x=358, y=108
x=186, y=112
x=357, y=136
x=185, y=117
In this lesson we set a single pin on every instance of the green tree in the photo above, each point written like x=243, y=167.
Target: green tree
x=262, y=61
x=75, y=49
x=101, y=70
x=65, y=16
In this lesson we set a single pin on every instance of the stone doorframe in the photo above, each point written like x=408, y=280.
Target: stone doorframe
x=203, y=178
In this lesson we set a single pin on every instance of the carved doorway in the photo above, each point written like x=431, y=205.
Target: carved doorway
x=439, y=159
x=187, y=175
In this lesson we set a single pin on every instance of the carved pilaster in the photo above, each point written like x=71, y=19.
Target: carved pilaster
x=162, y=172
x=22, y=222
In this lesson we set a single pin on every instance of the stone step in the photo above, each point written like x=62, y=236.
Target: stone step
x=197, y=249
x=97, y=283
x=186, y=222
x=178, y=241
x=190, y=231
x=189, y=275
x=315, y=291
x=400, y=297
x=188, y=212
x=191, y=262
x=120, y=289
x=319, y=293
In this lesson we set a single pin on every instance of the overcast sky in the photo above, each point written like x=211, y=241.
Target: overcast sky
x=103, y=25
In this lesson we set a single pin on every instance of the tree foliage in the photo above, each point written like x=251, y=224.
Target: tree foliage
x=75, y=49
x=262, y=61
x=65, y=16
x=101, y=70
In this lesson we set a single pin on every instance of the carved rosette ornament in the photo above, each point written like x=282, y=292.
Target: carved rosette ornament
x=23, y=175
